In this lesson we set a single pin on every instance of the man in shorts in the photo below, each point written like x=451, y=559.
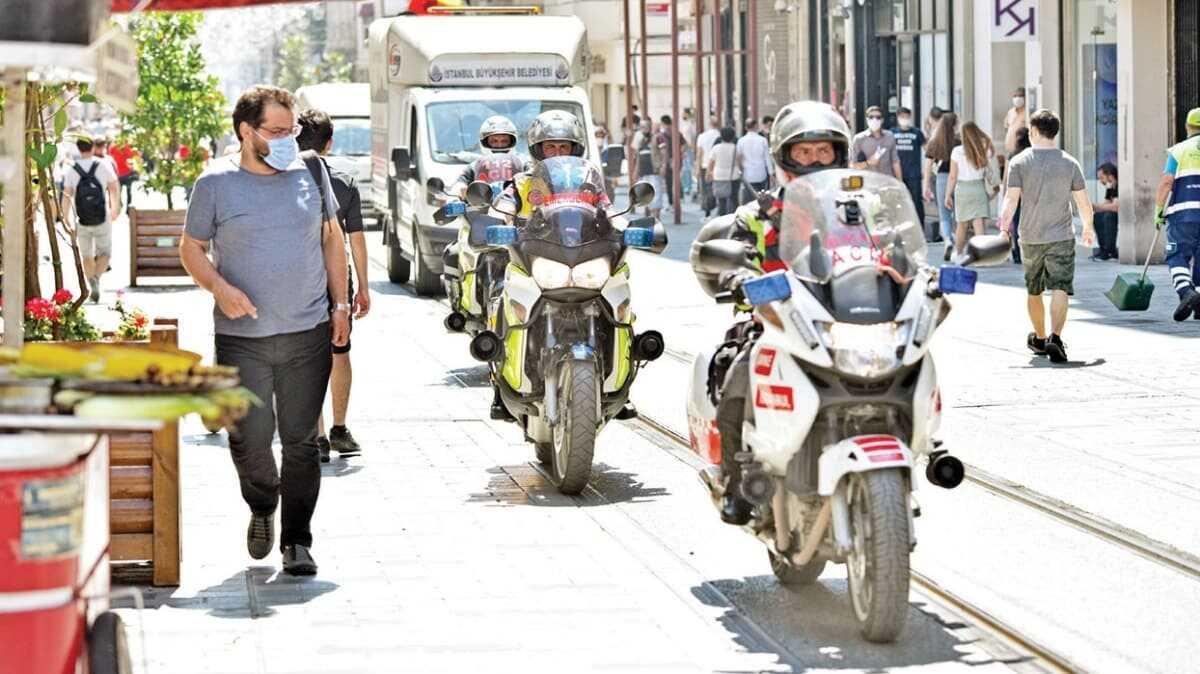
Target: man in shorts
x=91, y=201
x=1044, y=181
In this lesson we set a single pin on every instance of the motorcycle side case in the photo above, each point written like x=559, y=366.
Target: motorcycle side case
x=703, y=434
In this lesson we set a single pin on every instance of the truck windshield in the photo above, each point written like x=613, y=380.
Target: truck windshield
x=454, y=125
x=351, y=137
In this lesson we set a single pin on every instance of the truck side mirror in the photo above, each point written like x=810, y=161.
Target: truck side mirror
x=614, y=155
x=435, y=185
x=479, y=194
x=401, y=163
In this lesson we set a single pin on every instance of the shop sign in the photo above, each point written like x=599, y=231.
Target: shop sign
x=1014, y=20
x=658, y=9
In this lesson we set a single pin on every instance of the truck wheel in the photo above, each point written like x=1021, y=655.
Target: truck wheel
x=397, y=266
x=425, y=281
x=108, y=653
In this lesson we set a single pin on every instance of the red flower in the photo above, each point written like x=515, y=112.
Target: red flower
x=62, y=296
x=139, y=320
x=41, y=309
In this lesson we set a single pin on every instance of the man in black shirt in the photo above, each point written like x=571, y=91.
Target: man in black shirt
x=909, y=141
x=316, y=134
x=1106, y=214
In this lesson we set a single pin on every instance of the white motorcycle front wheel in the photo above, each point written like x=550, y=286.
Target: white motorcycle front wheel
x=575, y=433
x=878, y=565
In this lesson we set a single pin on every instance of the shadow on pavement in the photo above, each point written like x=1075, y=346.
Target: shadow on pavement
x=339, y=467
x=815, y=629
x=525, y=484
x=251, y=593
x=389, y=288
x=1038, y=363
x=478, y=376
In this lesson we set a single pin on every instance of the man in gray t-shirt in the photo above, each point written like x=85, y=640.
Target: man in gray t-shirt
x=278, y=259
x=1044, y=180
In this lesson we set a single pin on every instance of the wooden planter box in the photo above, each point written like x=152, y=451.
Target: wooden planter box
x=154, y=244
x=144, y=488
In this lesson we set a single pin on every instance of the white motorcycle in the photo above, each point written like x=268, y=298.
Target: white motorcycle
x=842, y=391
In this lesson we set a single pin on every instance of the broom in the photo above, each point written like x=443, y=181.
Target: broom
x=1132, y=291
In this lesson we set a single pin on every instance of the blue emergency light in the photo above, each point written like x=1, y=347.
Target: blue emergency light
x=957, y=280
x=766, y=289
x=501, y=235
x=639, y=237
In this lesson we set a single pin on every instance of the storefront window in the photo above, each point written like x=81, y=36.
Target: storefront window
x=1095, y=63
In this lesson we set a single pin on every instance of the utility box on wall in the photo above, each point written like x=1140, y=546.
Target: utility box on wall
x=71, y=22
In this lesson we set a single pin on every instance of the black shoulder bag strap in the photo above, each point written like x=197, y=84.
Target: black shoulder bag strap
x=317, y=168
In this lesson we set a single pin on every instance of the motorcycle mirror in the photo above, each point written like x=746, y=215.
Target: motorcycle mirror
x=641, y=194
x=435, y=184
x=501, y=235
x=818, y=259
x=986, y=250
x=720, y=255
x=479, y=194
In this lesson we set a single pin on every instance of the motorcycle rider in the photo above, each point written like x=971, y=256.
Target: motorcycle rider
x=808, y=136
x=554, y=133
x=497, y=136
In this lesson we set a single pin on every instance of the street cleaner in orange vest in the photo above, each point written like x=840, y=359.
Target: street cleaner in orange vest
x=808, y=136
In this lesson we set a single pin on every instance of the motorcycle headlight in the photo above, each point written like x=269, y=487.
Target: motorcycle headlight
x=592, y=274
x=868, y=351
x=549, y=274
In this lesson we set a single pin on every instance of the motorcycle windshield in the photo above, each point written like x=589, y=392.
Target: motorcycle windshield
x=856, y=235
x=565, y=194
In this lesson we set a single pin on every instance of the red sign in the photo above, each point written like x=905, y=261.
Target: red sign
x=658, y=9
x=764, y=362
x=127, y=5
x=771, y=397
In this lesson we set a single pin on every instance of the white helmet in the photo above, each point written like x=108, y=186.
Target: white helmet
x=498, y=125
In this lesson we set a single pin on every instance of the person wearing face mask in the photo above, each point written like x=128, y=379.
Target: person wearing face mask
x=278, y=277
x=909, y=144
x=1014, y=120
x=875, y=148
x=1106, y=214
x=807, y=137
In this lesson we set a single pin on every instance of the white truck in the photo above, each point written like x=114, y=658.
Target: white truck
x=434, y=79
x=348, y=105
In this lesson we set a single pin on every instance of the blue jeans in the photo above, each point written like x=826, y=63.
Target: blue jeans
x=945, y=215
x=1183, y=255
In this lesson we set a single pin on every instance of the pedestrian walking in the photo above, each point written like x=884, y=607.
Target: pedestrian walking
x=268, y=217
x=910, y=142
x=705, y=142
x=1178, y=202
x=765, y=128
x=937, y=174
x=972, y=185
x=875, y=148
x=602, y=141
x=92, y=201
x=753, y=161
x=1107, y=214
x=645, y=160
x=723, y=167
x=931, y=121
x=667, y=141
x=1044, y=180
x=123, y=154
x=316, y=135
x=1014, y=120
x=1022, y=145
x=687, y=132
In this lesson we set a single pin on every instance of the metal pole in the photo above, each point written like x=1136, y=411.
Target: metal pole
x=738, y=110
x=628, y=131
x=14, y=208
x=676, y=150
x=645, y=73
x=698, y=79
x=752, y=31
x=718, y=60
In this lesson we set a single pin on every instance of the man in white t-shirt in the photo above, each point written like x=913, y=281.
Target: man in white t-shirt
x=91, y=201
x=754, y=160
x=704, y=144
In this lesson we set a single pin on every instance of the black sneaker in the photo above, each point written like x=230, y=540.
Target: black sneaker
x=323, y=445
x=298, y=561
x=342, y=442
x=735, y=510
x=1189, y=303
x=1036, y=344
x=260, y=535
x=949, y=252
x=1056, y=349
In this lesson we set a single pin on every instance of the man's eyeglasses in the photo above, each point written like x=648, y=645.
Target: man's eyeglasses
x=271, y=132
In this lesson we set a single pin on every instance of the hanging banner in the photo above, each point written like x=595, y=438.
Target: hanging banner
x=117, y=78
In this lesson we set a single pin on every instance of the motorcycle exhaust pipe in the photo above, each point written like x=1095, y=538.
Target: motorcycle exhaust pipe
x=757, y=486
x=455, y=322
x=648, y=346
x=944, y=470
x=487, y=347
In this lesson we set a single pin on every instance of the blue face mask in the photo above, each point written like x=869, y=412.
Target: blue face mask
x=282, y=151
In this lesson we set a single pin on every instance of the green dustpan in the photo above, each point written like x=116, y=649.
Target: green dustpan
x=1132, y=291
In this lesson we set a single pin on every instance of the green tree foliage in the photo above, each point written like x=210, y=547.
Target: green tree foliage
x=294, y=70
x=179, y=105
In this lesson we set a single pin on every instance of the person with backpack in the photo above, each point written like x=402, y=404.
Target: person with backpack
x=92, y=200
